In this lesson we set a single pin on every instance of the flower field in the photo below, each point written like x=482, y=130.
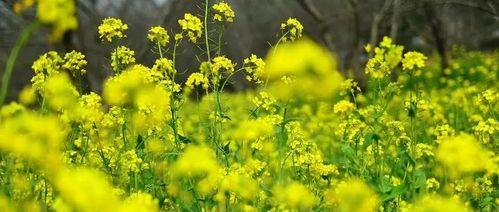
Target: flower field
x=411, y=136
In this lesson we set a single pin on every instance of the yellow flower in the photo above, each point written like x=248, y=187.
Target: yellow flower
x=112, y=28
x=191, y=25
x=240, y=184
x=75, y=63
x=343, y=107
x=121, y=58
x=86, y=190
x=163, y=66
x=135, y=88
x=437, y=203
x=311, y=68
x=265, y=101
x=27, y=96
x=60, y=93
x=432, y=184
x=222, y=64
x=140, y=202
x=48, y=63
x=353, y=195
x=223, y=11
x=36, y=138
x=386, y=57
x=255, y=68
x=58, y=13
x=196, y=79
x=21, y=5
x=196, y=160
x=159, y=35
x=413, y=60
x=295, y=196
x=463, y=154
x=292, y=29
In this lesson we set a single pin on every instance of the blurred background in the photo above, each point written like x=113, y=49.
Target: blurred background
x=343, y=26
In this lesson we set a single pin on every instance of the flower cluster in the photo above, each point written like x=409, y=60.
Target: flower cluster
x=292, y=29
x=59, y=14
x=158, y=35
x=223, y=12
x=222, y=64
x=386, y=57
x=197, y=79
x=413, y=60
x=121, y=58
x=255, y=67
x=304, y=139
x=75, y=63
x=111, y=29
x=192, y=26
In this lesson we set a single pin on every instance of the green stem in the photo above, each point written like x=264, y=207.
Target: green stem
x=23, y=39
x=173, y=108
x=206, y=40
x=273, y=53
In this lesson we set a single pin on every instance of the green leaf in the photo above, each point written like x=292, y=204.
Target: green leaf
x=384, y=185
x=184, y=139
x=419, y=179
x=140, y=143
x=396, y=191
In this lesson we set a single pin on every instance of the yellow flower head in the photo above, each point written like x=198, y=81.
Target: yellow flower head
x=438, y=203
x=353, y=195
x=112, y=28
x=295, y=196
x=192, y=26
x=75, y=63
x=222, y=64
x=386, y=57
x=197, y=79
x=164, y=66
x=463, y=154
x=305, y=68
x=223, y=11
x=196, y=160
x=158, y=35
x=59, y=92
x=121, y=58
x=413, y=60
x=343, y=107
x=48, y=63
x=60, y=14
x=255, y=68
x=292, y=29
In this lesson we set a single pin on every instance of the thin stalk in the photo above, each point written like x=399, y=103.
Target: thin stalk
x=273, y=53
x=173, y=108
x=9, y=67
x=206, y=36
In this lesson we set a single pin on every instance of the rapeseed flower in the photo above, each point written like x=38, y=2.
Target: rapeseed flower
x=455, y=154
x=223, y=12
x=112, y=29
x=413, y=60
x=74, y=63
x=353, y=195
x=121, y=58
x=158, y=35
x=292, y=30
x=294, y=196
x=192, y=26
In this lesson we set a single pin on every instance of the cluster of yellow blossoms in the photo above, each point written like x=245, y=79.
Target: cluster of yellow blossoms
x=305, y=139
x=223, y=12
x=112, y=28
x=192, y=26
